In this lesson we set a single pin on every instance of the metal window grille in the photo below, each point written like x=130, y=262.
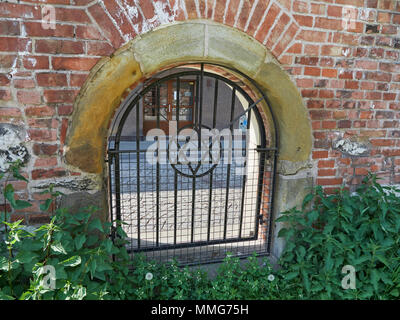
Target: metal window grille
x=193, y=211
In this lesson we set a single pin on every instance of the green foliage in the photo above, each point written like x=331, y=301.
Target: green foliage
x=81, y=259
x=360, y=229
x=73, y=250
x=250, y=280
x=73, y=257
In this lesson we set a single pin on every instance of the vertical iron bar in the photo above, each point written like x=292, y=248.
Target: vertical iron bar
x=199, y=155
x=194, y=176
x=211, y=173
x=201, y=105
x=138, y=171
x=117, y=178
x=110, y=193
x=229, y=164
x=158, y=169
x=196, y=109
x=271, y=206
x=193, y=206
x=244, y=176
x=110, y=186
x=178, y=88
x=259, y=190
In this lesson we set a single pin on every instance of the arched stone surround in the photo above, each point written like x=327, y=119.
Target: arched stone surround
x=182, y=42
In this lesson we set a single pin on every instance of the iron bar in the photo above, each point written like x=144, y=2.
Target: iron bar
x=194, y=244
x=215, y=106
x=158, y=170
x=138, y=170
x=259, y=190
x=178, y=88
x=228, y=173
x=244, y=178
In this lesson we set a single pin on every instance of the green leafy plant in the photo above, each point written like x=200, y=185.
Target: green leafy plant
x=254, y=280
x=360, y=230
x=76, y=247
x=74, y=257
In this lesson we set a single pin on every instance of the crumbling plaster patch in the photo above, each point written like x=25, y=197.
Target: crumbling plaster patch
x=12, y=148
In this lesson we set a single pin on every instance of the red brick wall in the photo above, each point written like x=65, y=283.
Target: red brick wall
x=347, y=73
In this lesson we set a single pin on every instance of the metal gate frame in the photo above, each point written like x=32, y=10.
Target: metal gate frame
x=266, y=153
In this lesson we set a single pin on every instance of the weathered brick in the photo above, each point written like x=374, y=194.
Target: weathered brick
x=45, y=149
x=70, y=63
x=89, y=32
x=268, y=22
x=59, y=46
x=48, y=123
x=77, y=80
x=47, y=79
x=24, y=83
x=329, y=181
x=39, y=111
x=20, y=11
x=257, y=15
x=106, y=25
x=45, y=162
x=36, y=62
x=29, y=97
x=46, y=174
x=244, y=14
x=64, y=96
x=65, y=110
x=99, y=49
x=35, y=29
x=15, y=44
x=71, y=15
x=43, y=134
x=9, y=28
x=39, y=218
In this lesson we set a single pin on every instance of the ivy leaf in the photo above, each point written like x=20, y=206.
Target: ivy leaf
x=26, y=256
x=9, y=193
x=17, y=175
x=313, y=215
x=306, y=281
x=79, y=241
x=16, y=204
x=375, y=278
x=72, y=262
x=46, y=205
x=3, y=264
x=306, y=200
x=58, y=248
x=80, y=293
x=60, y=272
x=107, y=245
x=394, y=293
x=4, y=296
x=95, y=224
x=92, y=267
x=21, y=204
x=291, y=275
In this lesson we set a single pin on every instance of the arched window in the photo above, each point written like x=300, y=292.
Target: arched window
x=192, y=165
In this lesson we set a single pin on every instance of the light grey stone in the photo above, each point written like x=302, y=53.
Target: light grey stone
x=12, y=147
x=352, y=147
x=289, y=193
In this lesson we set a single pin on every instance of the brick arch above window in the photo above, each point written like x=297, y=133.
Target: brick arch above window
x=269, y=21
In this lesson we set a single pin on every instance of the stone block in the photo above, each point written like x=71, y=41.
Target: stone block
x=289, y=192
x=168, y=45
